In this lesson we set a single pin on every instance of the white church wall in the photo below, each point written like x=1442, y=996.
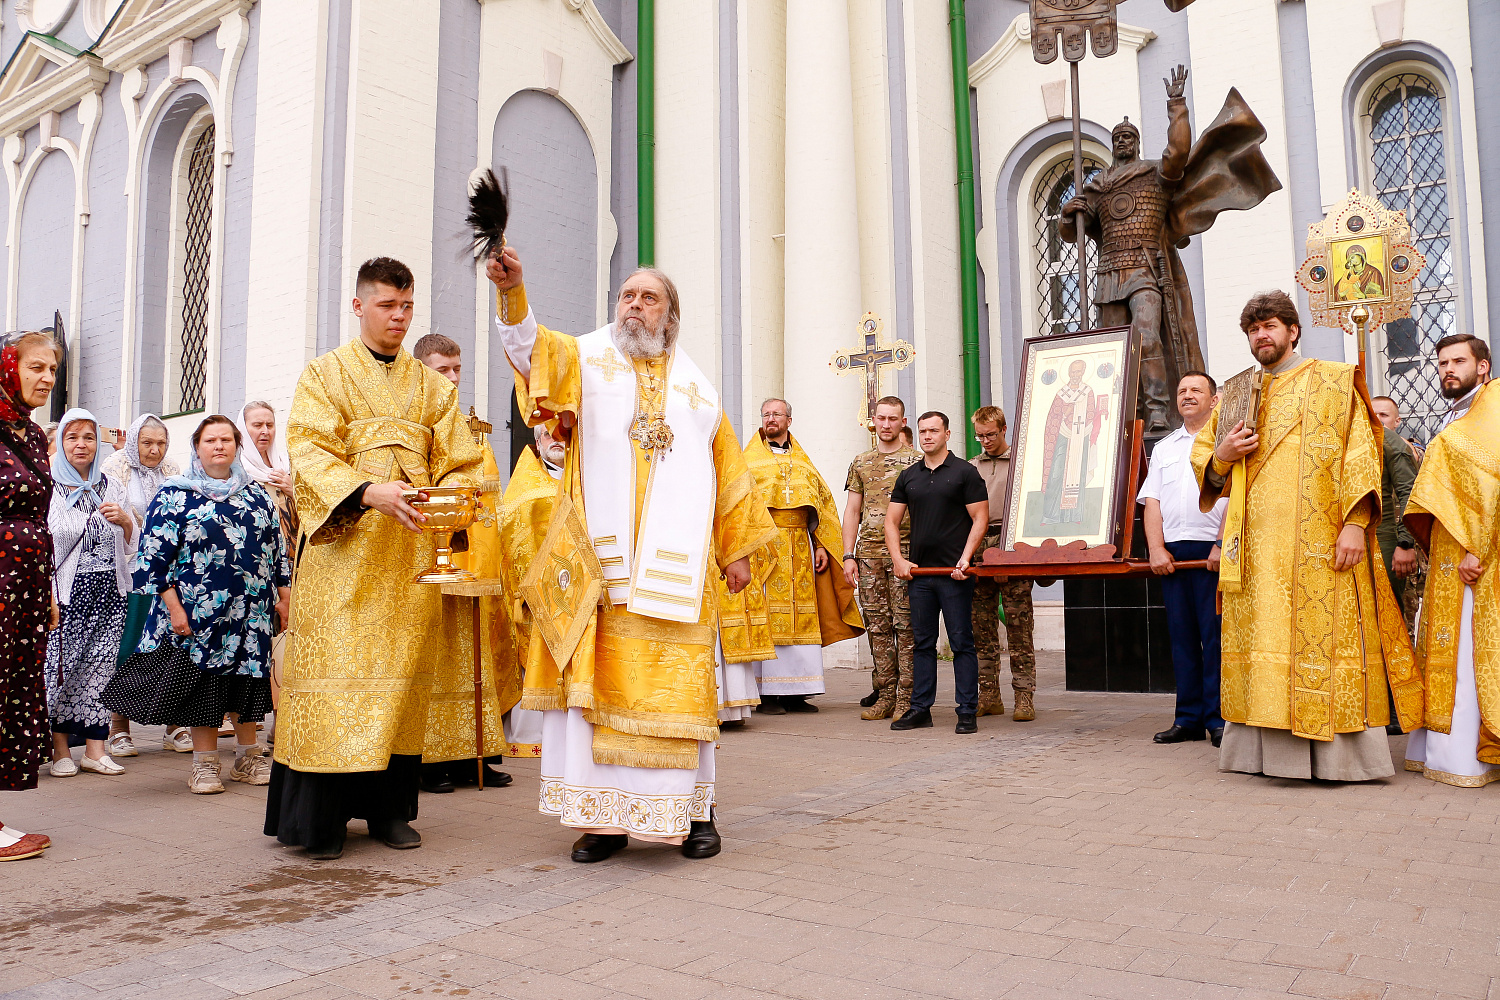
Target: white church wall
x=763, y=187
x=1235, y=44
x=46, y=234
x=1344, y=38
x=687, y=170
x=281, y=316
x=872, y=144
x=102, y=316
x=392, y=129
x=548, y=46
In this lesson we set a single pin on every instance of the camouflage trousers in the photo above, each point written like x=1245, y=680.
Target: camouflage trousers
x=882, y=601
x=989, y=593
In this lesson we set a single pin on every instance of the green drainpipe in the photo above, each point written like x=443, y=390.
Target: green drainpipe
x=968, y=260
x=645, y=132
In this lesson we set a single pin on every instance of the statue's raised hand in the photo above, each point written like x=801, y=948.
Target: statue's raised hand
x=1177, y=83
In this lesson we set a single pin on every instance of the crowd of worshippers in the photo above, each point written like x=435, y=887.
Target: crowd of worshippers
x=134, y=592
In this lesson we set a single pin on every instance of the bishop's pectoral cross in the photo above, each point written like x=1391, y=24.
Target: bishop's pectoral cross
x=871, y=360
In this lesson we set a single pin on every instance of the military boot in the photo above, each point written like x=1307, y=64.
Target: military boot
x=1025, y=712
x=884, y=706
x=990, y=700
x=903, y=702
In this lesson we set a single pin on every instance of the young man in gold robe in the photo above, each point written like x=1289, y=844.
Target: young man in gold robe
x=448, y=755
x=1311, y=632
x=667, y=504
x=369, y=423
x=1454, y=512
x=808, y=602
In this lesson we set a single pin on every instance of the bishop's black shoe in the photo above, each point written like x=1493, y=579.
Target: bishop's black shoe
x=797, y=703
x=702, y=840
x=593, y=847
x=1179, y=734
x=915, y=718
x=770, y=704
x=435, y=778
x=869, y=699
x=1217, y=735
x=395, y=833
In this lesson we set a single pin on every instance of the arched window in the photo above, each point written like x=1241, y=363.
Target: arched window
x=1403, y=122
x=1056, y=259
x=191, y=250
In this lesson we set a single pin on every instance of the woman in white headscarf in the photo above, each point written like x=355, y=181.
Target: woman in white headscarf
x=90, y=542
x=135, y=473
x=265, y=460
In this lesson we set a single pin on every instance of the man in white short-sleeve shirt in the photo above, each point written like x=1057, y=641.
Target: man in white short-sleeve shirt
x=1177, y=531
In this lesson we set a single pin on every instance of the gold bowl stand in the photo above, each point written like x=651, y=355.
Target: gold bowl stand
x=449, y=509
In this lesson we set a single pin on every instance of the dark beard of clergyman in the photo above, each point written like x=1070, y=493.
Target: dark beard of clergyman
x=1461, y=390
x=638, y=340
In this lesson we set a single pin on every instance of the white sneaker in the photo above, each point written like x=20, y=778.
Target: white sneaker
x=121, y=745
x=205, y=778
x=179, y=739
x=104, y=765
x=254, y=768
x=64, y=767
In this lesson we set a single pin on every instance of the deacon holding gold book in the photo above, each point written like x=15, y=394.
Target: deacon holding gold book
x=369, y=424
x=655, y=502
x=1311, y=632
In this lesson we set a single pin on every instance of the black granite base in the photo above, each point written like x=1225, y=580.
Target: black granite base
x=1116, y=631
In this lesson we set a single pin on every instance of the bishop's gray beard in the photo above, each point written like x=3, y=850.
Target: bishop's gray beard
x=638, y=340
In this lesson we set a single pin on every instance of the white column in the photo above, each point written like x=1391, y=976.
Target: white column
x=822, y=236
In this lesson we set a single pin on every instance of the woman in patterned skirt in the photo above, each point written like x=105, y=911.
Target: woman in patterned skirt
x=212, y=555
x=89, y=541
x=28, y=367
x=134, y=474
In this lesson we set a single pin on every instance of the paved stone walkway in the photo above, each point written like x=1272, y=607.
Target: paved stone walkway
x=1065, y=858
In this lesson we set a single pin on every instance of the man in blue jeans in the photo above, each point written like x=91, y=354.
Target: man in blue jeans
x=1177, y=531
x=949, y=507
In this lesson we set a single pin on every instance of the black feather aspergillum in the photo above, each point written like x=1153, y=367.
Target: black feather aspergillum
x=488, y=211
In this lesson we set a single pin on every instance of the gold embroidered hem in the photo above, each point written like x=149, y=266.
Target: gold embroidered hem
x=637, y=814
x=1456, y=780
x=613, y=747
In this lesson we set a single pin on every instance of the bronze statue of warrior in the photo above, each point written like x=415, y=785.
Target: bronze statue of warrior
x=1141, y=212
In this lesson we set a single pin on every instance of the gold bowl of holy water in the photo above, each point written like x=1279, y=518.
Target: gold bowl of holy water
x=449, y=509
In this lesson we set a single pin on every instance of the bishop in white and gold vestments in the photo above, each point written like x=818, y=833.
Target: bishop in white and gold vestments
x=668, y=504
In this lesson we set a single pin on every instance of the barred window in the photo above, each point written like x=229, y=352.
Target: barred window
x=1408, y=170
x=197, y=220
x=1056, y=259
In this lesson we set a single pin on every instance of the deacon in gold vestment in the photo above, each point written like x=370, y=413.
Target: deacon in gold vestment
x=368, y=423
x=667, y=504
x=525, y=515
x=1311, y=633
x=448, y=754
x=808, y=602
x=1454, y=511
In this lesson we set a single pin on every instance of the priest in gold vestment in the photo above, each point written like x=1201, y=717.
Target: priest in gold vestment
x=667, y=504
x=808, y=604
x=1454, y=511
x=448, y=755
x=368, y=423
x=1312, y=634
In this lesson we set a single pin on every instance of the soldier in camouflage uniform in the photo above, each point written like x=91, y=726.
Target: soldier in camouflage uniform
x=993, y=464
x=882, y=597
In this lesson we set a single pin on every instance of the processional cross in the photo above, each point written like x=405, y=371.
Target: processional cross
x=875, y=356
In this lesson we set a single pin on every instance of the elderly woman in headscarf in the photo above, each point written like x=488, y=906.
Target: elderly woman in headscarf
x=28, y=369
x=90, y=541
x=264, y=458
x=212, y=557
x=135, y=473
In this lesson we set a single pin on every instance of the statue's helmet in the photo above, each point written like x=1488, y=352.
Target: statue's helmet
x=1126, y=128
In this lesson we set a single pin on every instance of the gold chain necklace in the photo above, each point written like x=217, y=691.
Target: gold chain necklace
x=650, y=429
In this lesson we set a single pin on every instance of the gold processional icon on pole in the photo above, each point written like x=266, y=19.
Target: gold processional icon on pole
x=869, y=361
x=1360, y=267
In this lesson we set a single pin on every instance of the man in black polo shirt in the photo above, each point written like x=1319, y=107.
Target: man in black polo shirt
x=949, y=513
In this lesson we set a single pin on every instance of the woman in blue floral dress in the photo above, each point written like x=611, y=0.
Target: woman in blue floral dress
x=212, y=554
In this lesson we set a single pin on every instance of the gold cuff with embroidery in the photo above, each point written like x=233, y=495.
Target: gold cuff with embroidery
x=511, y=305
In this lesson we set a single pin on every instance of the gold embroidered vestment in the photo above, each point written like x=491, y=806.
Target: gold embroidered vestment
x=1306, y=648
x=365, y=643
x=1455, y=509
x=788, y=604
